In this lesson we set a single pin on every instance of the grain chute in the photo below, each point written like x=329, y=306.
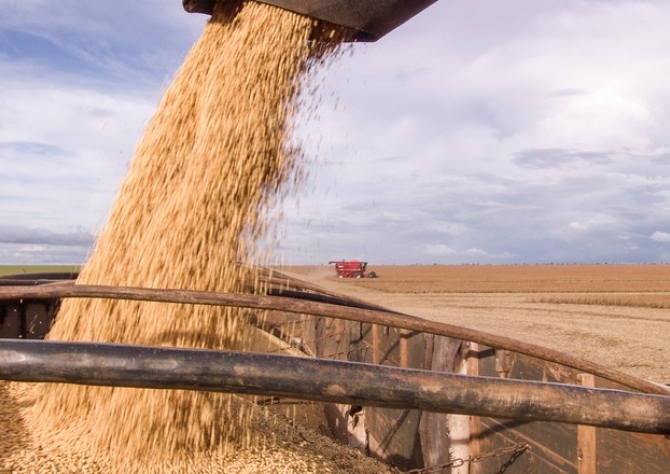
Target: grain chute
x=370, y=19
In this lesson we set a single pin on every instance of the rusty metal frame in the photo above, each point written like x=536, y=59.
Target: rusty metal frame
x=332, y=309
x=329, y=381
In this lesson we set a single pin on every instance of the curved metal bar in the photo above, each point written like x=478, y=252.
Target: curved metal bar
x=329, y=381
x=293, y=305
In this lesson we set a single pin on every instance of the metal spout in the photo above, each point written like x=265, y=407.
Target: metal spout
x=371, y=19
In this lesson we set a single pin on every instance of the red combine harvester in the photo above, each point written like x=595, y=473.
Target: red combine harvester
x=352, y=269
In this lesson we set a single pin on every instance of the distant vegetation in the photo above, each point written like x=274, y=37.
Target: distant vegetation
x=28, y=269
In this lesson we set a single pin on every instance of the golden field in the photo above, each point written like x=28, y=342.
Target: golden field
x=616, y=315
x=629, y=285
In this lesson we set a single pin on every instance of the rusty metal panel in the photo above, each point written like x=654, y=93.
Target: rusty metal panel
x=407, y=439
x=394, y=436
x=29, y=319
x=392, y=346
x=332, y=338
x=440, y=354
x=554, y=447
x=12, y=322
x=357, y=347
x=38, y=319
x=618, y=452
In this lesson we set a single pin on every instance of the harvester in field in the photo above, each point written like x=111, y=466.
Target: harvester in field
x=349, y=269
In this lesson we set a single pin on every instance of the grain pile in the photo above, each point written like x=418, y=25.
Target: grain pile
x=214, y=157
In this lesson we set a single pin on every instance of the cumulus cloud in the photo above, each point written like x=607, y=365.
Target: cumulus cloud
x=22, y=254
x=592, y=222
x=438, y=250
x=10, y=234
x=37, y=246
x=659, y=236
x=448, y=228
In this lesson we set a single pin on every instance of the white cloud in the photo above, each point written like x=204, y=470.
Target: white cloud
x=476, y=251
x=64, y=152
x=589, y=223
x=659, y=236
x=447, y=228
x=438, y=250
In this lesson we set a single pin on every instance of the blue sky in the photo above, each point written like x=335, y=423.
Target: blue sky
x=524, y=131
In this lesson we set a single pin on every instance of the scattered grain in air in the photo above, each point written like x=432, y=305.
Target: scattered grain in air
x=215, y=158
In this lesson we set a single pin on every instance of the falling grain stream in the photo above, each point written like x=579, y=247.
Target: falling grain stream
x=214, y=159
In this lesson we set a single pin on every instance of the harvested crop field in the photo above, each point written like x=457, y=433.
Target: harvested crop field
x=616, y=315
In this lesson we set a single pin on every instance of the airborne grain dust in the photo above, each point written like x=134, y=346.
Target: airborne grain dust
x=215, y=156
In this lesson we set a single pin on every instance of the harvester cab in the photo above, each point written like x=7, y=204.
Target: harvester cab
x=369, y=19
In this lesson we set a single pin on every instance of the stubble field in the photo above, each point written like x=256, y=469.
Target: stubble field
x=616, y=315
